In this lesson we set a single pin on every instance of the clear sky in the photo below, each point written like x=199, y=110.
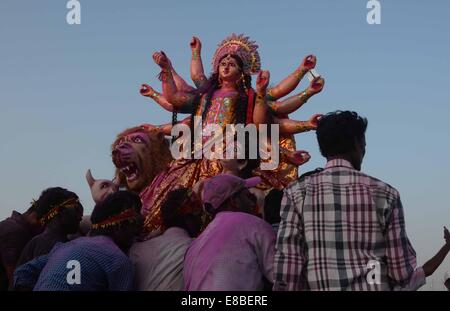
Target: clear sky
x=67, y=90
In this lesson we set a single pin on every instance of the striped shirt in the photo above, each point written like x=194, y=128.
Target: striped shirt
x=334, y=226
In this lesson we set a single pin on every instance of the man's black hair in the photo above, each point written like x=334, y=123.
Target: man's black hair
x=337, y=132
x=272, y=205
x=173, y=216
x=114, y=204
x=50, y=198
x=170, y=209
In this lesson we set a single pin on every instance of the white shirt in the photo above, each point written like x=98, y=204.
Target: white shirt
x=158, y=262
x=233, y=254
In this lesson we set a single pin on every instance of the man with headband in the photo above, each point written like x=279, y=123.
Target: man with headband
x=158, y=262
x=15, y=232
x=94, y=263
x=60, y=212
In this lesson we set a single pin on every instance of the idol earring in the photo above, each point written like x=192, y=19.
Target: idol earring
x=243, y=82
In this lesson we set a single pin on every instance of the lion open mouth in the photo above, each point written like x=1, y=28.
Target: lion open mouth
x=130, y=171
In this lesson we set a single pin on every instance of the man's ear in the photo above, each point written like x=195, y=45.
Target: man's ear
x=208, y=208
x=360, y=145
x=34, y=218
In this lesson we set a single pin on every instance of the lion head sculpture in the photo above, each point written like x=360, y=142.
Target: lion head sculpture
x=139, y=154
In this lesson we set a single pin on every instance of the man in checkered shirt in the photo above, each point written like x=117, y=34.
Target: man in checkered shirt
x=337, y=222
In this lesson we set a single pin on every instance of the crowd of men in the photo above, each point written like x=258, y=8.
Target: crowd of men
x=334, y=228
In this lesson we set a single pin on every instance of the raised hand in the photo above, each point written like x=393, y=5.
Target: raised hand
x=316, y=86
x=146, y=90
x=262, y=81
x=197, y=72
x=308, y=63
x=161, y=60
x=312, y=122
x=196, y=45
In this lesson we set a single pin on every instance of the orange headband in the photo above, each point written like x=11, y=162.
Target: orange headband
x=116, y=219
x=69, y=203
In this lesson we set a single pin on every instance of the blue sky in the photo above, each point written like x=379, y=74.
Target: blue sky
x=66, y=91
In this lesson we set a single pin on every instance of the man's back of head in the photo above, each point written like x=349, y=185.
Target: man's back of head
x=342, y=134
x=60, y=210
x=118, y=217
x=225, y=192
x=182, y=209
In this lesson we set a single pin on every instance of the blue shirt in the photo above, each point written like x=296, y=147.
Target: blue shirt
x=102, y=266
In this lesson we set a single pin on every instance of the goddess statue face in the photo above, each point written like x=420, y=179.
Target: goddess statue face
x=229, y=69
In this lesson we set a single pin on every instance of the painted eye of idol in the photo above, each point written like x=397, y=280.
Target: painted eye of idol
x=224, y=64
x=228, y=61
x=138, y=138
